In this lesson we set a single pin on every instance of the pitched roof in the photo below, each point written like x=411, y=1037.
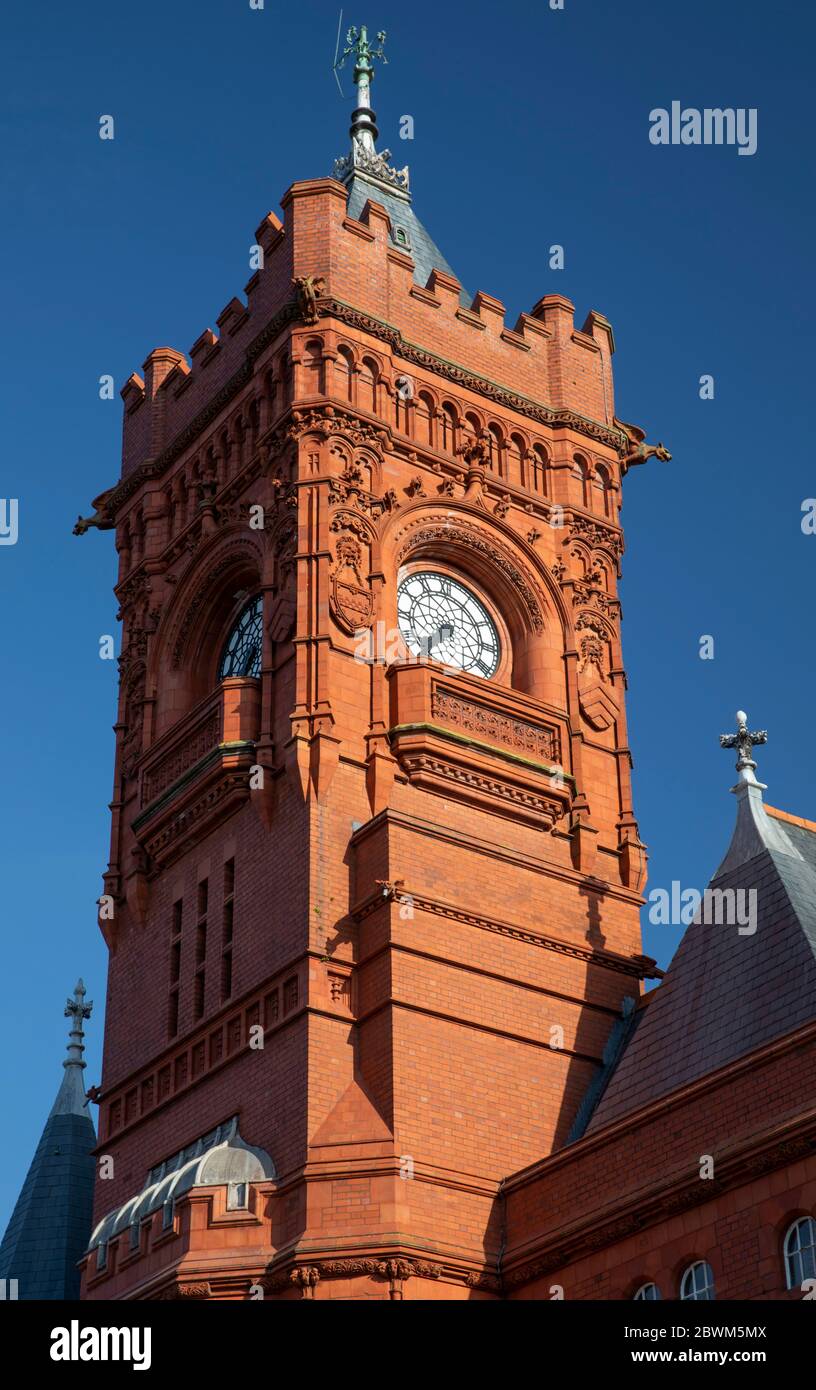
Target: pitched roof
x=729, y=990
x=419, y=244
x=51, y=1222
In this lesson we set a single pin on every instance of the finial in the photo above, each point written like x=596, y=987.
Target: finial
x=71, y=1095
x=77, y=1010
x=364, y=156
x=363, y=127
x=745, y=742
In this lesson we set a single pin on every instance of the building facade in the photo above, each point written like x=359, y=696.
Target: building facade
x=373, y=895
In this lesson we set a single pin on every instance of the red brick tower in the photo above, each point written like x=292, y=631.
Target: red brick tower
x=372, y=903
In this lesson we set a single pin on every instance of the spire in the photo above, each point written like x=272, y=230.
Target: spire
x=363, y=157
x=744, y=973
x=51, y=1222
x=754, y=831
x=71, y=1094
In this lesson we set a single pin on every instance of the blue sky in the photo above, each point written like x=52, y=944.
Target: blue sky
x=531, y=128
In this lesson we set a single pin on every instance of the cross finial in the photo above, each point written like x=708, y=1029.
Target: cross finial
x=745, y=742
x=77, y=1010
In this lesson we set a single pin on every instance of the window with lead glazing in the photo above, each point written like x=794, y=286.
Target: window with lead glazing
x=241, y=655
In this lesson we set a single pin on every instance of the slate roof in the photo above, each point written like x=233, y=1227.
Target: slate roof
x=50, y=1225
x=49, y=1228
x=727, y=994
x=421, y=247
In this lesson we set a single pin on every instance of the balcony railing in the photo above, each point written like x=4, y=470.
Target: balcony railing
x=197, y=773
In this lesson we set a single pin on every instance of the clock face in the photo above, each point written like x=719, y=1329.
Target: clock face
x=442, y=620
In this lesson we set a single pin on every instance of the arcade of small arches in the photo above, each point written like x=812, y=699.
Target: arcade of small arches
x=441, y=424
x=430, y=419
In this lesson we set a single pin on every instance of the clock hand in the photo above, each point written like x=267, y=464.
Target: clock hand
x=442, y=634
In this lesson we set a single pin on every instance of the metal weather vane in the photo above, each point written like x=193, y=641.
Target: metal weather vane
x=364, y=157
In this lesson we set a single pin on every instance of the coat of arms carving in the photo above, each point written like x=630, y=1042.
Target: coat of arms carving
x=352, y=602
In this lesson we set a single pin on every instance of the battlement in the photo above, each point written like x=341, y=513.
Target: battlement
x=542, y=356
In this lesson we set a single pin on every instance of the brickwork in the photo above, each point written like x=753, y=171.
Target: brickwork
x=436, y=877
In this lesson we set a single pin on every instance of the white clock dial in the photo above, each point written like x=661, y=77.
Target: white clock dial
x=442, y=620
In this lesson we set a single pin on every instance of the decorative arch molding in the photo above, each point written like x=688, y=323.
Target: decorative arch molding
x=423, y=527
x=330, y=421
x=239, y=552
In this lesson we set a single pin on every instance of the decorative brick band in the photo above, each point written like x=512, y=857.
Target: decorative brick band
x=639, y=967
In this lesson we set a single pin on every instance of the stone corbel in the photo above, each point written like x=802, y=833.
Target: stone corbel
x=306, y=1278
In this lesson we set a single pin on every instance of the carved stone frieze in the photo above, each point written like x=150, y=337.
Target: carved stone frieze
x=535, y=740
x=183, y=756
x=201, y=597
x=596, y=535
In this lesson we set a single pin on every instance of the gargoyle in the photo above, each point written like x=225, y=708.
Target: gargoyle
x=101, y=518
x=308, y=288
x=640, y=451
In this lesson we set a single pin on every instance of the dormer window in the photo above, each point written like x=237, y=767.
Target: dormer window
x=402, y=239
x=242, y=650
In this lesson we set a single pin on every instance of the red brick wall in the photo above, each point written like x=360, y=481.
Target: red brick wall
x=426, y=1035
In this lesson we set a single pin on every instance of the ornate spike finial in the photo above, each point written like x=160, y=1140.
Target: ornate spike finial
x=77, y=1010
x=363, y=127
x=745, y=742
x=71, y=1094
x=364, y=157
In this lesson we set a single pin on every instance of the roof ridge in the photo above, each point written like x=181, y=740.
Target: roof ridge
x=791, y=819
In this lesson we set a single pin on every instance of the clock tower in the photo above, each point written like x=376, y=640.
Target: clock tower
x=372, y=900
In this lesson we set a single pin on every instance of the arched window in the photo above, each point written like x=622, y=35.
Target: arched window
x=800, y=1252
x=603, y=485
x=580, y=471
x=179, y=501
x=241, y=655
x=344, y=367
x=271, y=393
x=240, y=446
x=495, y=444
x=516, y=450
x=424, y=418
x=254, y=423
x=472, y=426
x=538, y=471
x=285, y=378
x=313, y=368
x=367, y=386
x=647, y=1293
x=447, y=425
x=697, y=1282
